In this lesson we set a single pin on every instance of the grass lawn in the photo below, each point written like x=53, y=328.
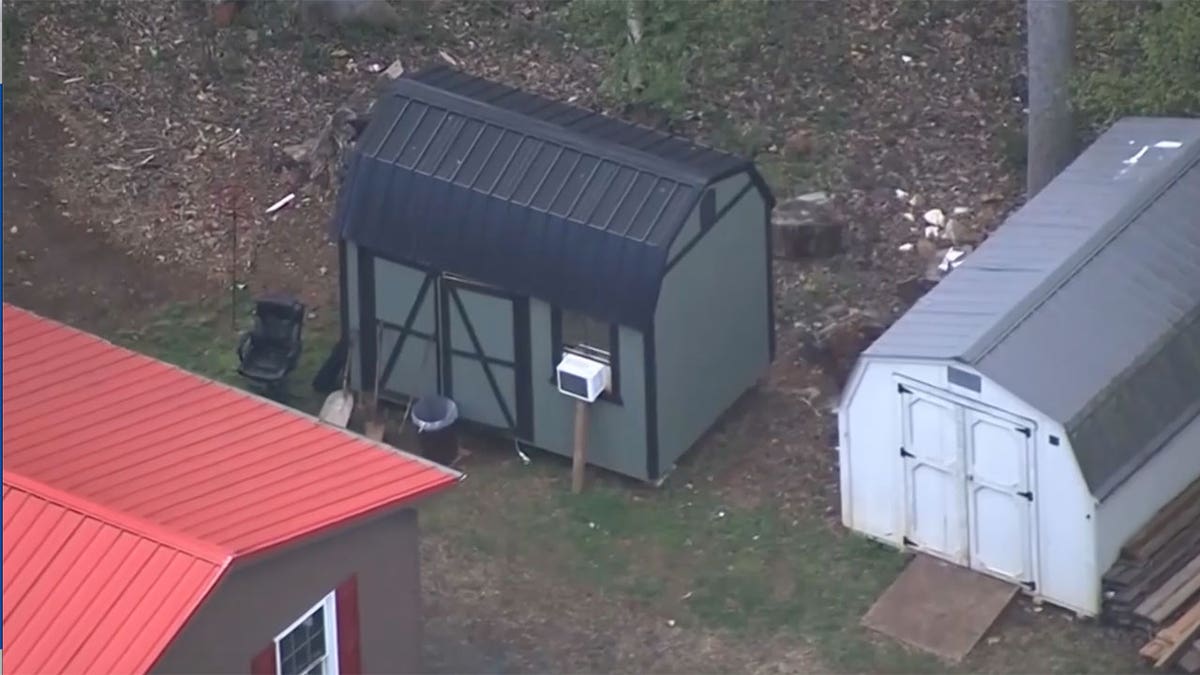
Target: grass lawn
x=677, y=554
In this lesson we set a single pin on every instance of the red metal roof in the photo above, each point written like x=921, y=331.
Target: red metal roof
x=131, y=485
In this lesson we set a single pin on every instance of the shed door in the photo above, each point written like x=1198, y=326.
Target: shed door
x=485, y=361
x=406, y=311
x=935, y=512
x=998, y=496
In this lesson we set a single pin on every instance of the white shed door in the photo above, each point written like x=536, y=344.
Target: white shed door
x=933, y=478
x=998, y=496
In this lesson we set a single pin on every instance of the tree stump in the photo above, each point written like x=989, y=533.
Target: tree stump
x=804, y=228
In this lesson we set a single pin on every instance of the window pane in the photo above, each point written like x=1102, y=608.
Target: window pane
x=304, y=645
x=581, y=330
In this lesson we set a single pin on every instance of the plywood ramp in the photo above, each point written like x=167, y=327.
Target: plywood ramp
x=939, y=607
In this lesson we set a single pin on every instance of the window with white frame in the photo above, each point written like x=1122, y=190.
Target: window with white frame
x=309, y=646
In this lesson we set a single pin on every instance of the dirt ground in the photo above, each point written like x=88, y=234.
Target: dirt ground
x=134, y=118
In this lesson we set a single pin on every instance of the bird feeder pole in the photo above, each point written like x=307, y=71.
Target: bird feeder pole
x=231, y=195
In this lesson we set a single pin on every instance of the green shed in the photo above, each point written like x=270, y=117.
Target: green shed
x=485, y=232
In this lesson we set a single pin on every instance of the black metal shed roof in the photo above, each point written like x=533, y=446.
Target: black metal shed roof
x=479, y=179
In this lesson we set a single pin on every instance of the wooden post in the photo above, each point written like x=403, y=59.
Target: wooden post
x=578, y=458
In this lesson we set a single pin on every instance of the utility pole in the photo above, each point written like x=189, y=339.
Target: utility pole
x=1050, y=47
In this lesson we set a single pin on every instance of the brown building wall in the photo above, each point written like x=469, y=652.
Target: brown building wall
x=257, y=601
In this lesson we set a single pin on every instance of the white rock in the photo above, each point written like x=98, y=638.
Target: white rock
x=961, y=210
x=935, y=217
x=910, y=217
x=954, y=255
x=951, y=230
x=906, y=247
x=901, y=194
x=395, y=70
x=933, y=232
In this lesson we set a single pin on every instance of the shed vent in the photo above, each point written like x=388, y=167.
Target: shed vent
x=961, y=378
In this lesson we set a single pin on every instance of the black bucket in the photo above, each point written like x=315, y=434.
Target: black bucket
x=435, y=417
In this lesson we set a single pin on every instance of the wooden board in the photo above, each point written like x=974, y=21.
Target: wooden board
x=1175, y=640
x=1164, y=524
x=1170, y=596
x=1184, y=631
x=941, y=608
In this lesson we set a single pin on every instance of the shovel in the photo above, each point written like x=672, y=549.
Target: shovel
x=375, y=426
x=339, y=404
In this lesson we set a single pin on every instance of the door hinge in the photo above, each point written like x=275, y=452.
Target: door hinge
x=1028, y=495
x=1031, y=585
x=903, y=389
x=1026, y=431
x=908, y=542
x=905, y=453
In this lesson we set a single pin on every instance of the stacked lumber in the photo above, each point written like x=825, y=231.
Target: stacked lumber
x=1155, y=584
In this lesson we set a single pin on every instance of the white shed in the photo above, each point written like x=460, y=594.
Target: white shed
x=1042, y=402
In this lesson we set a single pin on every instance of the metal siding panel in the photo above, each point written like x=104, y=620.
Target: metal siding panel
x=468, y=138
x=532, y=176
x=439, y=146
x=623, y=221
x=677, y=209
x=374, y=135
x=552, y=186
x=493, y=143
x=190, y=477
x=594, y=191
x=514, y=167
x=109, y=452
x=401, y=132
x=573, y=187
x=613, y=197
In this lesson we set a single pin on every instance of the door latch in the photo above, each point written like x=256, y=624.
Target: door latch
x=1028, y=495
